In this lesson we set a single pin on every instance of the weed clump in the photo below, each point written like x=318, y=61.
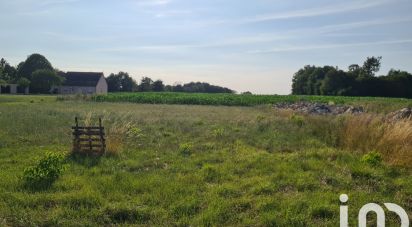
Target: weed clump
x=117, y=135
x=186, y=149
x=373, y=158
x=45, y=172
x=218, y=132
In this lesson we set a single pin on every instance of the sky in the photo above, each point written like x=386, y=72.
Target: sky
x=246, y=45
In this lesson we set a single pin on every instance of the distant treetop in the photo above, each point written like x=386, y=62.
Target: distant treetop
x=357, y=81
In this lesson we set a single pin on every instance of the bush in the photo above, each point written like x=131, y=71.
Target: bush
x=185, y=149
x=373, y=158
x=45, y=172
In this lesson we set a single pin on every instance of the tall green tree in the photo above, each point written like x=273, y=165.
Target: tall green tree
x=335, y=83
x=300, y=79
x=7, y=72
x=23, y=82
x=371, y=66
x=43, y=80
x=146, y=84
x=33, y=62
x=158, y=86
x=121, y=82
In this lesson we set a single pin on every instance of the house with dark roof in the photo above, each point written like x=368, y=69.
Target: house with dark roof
x=82, y=83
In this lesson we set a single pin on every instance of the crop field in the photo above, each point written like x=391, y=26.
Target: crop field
x=374, y=104
x=231, y=160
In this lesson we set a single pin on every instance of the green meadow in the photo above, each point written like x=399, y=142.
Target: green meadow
x=230, y=160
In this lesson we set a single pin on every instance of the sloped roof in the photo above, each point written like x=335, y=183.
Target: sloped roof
x=81, y=79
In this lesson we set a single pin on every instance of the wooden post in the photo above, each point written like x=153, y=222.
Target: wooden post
x=76, y=142
x=102, y=141
x=90, y=139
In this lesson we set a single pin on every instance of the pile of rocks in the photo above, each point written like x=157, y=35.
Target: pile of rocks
x=403, y=114
x=319, y=108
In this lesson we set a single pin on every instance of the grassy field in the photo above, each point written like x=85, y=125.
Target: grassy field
x=373, y=104
x=184, y=165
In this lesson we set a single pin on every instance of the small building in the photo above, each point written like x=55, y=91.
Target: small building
x=82, y=83
x=13, y=89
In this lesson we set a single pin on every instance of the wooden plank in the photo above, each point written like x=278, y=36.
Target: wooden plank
x=88, y=142
x=88, y=149
x=91, y=151
x=92, y=139
x=92, y=130
x=91, y=127
x=88, y=146
x=92, y=133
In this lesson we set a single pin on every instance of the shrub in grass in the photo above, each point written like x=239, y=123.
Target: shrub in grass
x=134, y=133
x=298, y=120
x=373, y=158
x=45, y=172
x=218, y=132
x=185, y=149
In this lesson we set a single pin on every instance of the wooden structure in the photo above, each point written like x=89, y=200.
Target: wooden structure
x=89, y=140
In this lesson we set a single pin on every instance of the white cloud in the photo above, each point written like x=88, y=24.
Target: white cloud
x=327, y=10
x=343, y=7
x=329, y=46
x=257, y=38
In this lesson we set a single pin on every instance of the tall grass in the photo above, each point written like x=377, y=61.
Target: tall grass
x=365, y=133
x=396, y=142
x=118, y=129
x=116, y=137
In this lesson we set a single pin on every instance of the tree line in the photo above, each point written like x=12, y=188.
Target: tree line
x=357, y=80
x=123, y=82
x=37, y=73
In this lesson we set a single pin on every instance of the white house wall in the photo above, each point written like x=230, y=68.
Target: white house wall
x=102, y=87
